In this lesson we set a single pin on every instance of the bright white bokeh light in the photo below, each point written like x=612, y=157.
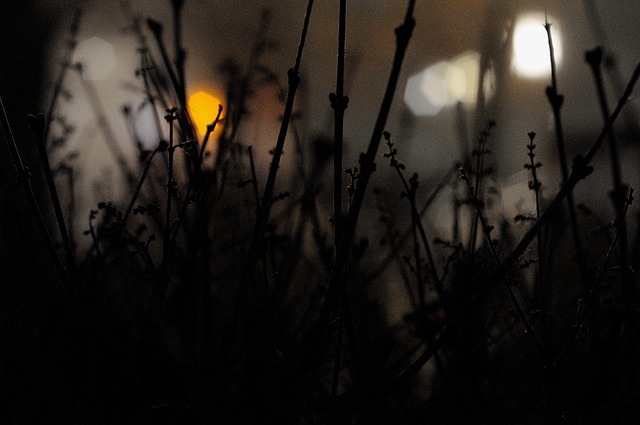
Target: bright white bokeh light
x=531, y=46
x=443, y=84
x=416, y=99
x=434, y=84
x=97, y=57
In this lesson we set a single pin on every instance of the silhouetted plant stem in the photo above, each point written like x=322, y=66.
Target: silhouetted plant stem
x=556, y=100
x=337, y=357
x=262, y=216
x=400, y=240
x=256, y=193
x=409, y=192
x=146, y=67
x=534, y=184
x=24, y=178
x=179, y=50
x=37, y=125
x=71, y=207
x=66, y=62
x=171, y=187
x=145, y=172
x=587, y=302
x=594, y=59
x=486, y=230
x=580, y=171
x=210, y=129
x=94, y=236
x=339, y=103
x=195, y=179
x=482, y=141
x=367, y=163
x=236, y=101
x=265, y=204
x=156, y=29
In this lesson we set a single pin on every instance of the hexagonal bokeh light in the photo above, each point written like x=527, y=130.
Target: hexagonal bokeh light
x=98, y=58
x=203, y=109
x=443, y=84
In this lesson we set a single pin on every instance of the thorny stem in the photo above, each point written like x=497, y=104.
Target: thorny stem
x=339, y=103
x=37, y=124
x=556, y=100
x=24, y=177
x=579, y=172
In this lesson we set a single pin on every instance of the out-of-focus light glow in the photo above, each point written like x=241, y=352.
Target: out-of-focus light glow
x=416, y=99
x=465, y=85
x=97, y=57
x=434, y=84
x=443, y=84
x=146, y=128
x=203, y=109
x=489, y=83
x=531, y=46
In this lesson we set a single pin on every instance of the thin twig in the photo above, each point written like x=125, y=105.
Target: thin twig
x=535, y=185
x=166, y=242
x=594, y=59
x=339, y=103
x=265, y=205
x=486, y=230
x=185, y=123
x=367, y=162
x=145, y=172
x=37, y=124
x=587, y=302
x=66, y=62
x=24, y=177
x=556, y=100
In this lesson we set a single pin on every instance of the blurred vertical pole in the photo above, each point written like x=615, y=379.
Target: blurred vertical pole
x=339, y=103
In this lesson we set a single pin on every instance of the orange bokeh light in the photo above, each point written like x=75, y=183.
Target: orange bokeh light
x=203, y=109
